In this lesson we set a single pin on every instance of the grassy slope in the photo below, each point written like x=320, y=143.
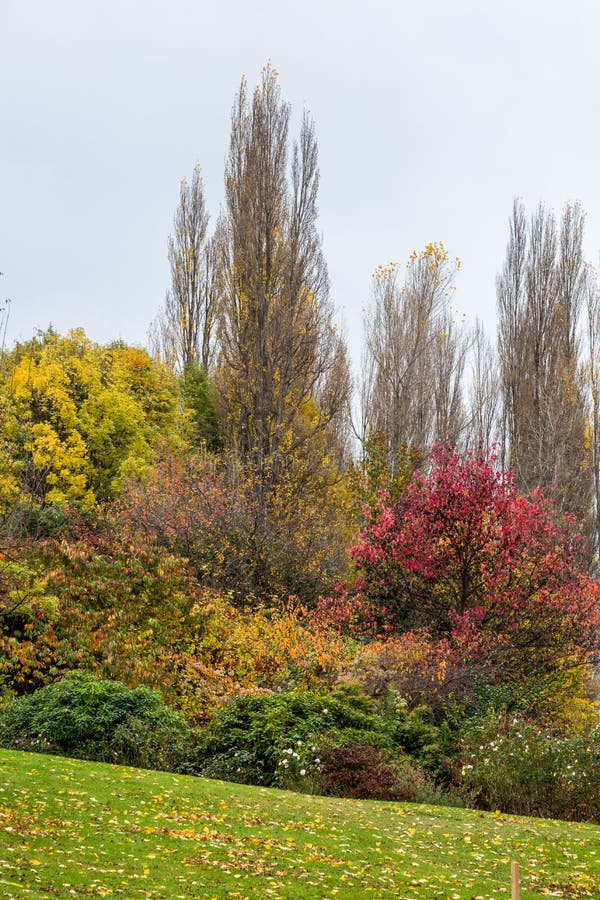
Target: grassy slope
x=71, y=828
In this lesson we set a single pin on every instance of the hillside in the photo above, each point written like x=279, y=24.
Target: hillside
x=72, y=828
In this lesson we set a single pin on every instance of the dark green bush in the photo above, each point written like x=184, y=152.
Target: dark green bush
x=274, y=739
x=416, y=733
x=105, y=721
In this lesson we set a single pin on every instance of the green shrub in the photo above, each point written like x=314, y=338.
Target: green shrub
x=104, y=721
x=518, y=768
x=274, y=739
x=416, y=734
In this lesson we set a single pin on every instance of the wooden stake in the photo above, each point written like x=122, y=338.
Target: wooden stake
x=515, y=889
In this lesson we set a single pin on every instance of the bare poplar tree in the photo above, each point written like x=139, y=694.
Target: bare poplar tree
x=484, y=400
x=414, y=357
x=161, y=342
x=592, y=378
x=540, y=294
x=283, y=375
x=450, y=351
x=183, y=333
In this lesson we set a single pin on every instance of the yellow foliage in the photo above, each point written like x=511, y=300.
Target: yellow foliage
x=77, y=417
x=251, y=651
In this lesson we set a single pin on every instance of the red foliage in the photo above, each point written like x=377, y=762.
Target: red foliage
x=467, y=557
x=362, y=772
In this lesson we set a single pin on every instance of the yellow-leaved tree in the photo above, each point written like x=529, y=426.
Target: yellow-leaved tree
x=78, y=417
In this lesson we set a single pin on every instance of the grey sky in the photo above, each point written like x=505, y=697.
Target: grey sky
x=431, y=117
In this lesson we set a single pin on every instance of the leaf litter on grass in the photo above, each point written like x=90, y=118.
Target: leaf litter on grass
x=70, y=828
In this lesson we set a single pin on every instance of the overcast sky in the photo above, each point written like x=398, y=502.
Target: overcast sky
x=430, y=116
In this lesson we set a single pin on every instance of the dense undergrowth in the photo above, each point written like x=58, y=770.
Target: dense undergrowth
x=431, y=635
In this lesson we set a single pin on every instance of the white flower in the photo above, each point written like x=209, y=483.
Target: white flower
x=303, y=771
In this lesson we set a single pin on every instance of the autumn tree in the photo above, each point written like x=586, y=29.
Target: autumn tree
x=541, y=290
x=282, y=375
x=78, y=418
x=465, y=556
x=414, y=357
x=188, y=507
x=183, y=333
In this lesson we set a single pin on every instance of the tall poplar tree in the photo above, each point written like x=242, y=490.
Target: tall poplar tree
x=541, y=290
x=282, y=376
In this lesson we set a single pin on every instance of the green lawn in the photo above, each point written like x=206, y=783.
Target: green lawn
x=75, y=829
